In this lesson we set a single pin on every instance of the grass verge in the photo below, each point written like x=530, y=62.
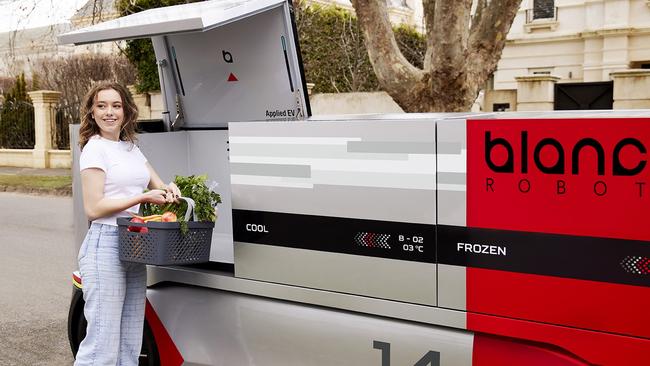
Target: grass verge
x=60, y=185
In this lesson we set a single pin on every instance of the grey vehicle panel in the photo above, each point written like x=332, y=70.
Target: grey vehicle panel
x=367, y=276
x=396, y=177
x=318, y=201
x=249, y=330
x=452, y=287
x=211, y=279
x=334, y=182
x=452, y=171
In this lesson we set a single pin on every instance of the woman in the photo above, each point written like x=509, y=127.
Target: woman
x=114, y=174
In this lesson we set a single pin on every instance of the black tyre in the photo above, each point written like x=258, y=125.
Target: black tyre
x=77, y=332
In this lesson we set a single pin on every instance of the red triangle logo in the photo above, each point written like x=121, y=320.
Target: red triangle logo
x=232, y=77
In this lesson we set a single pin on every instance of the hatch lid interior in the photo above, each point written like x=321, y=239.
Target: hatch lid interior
x=219, y=61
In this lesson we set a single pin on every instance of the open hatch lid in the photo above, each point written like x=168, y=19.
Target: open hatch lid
x=201, y=16
x=218, y=61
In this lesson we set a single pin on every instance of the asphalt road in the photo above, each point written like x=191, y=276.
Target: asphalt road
x=36, y=260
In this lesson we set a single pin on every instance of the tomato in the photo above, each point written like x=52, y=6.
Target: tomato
x=137, y=229
x=169, y=216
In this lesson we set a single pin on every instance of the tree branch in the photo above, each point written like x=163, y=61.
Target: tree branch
x=488, y=36
x=394, y=72
x=478, y=14
x=450, y=35
x=429, y=21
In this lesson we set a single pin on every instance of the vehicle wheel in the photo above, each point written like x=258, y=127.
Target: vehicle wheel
x=149, y=354
x=76, y=321
x=77, y=332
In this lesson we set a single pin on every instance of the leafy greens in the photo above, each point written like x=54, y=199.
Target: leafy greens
x=194, y=187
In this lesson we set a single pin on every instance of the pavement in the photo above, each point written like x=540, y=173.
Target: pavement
x=38, y=251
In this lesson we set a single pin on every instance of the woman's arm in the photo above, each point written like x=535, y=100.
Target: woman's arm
x=156, y=183
x=96, y=205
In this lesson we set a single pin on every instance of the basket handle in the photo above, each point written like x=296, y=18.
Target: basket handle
x=190, y=208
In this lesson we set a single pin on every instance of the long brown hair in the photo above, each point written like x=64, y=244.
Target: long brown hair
x=89, y=127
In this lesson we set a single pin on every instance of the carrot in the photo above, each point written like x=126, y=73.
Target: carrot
x=147, y=218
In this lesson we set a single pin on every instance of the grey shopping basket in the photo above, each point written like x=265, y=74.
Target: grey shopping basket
x=163, y=243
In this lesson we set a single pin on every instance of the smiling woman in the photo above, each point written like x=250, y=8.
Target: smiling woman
x=108, y=113
x=114, y=174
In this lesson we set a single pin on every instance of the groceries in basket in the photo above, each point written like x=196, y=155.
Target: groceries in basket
x=174, y=233
x=194, y=187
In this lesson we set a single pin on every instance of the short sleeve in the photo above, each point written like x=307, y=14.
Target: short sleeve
x=92, y=157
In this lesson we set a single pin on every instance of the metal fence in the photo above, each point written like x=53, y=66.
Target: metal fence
x=17, y=125
x=66, y=114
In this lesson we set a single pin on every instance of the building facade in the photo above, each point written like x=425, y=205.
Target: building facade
x=583, y=44
x=408, y=12
x=22, y=48
x=564, y=52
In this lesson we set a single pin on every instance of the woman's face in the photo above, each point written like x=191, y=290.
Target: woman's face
x=108, y=113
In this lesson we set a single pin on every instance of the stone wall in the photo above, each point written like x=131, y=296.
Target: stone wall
x=631, y=89
x=536, y=92
x=353, y=103
x=500, y=99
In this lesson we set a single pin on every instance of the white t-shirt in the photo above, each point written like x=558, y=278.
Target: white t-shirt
x=125, y=169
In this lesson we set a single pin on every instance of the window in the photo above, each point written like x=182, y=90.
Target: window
x=543, y=9
x=640, y=65
x=542, y=16
x=540, y=70
x=500, y=107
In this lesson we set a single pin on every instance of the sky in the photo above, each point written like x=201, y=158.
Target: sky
x=23, y=14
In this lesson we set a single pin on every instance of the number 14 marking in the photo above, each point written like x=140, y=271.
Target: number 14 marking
x=431, y=358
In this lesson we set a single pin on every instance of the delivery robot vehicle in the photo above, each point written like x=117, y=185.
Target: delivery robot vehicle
x=411, y=239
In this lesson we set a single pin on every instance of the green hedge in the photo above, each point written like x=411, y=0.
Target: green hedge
x=333, y=51
x=412, y=43
x=140, y=51
x=334, y=55
x=17, y=117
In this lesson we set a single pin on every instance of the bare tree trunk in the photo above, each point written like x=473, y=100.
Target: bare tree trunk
x=395, y=74
x=459, y=58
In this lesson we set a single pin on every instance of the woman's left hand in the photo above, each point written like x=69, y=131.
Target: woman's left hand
x=172, y=192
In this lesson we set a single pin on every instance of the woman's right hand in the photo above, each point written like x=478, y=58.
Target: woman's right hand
x=155, y=196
